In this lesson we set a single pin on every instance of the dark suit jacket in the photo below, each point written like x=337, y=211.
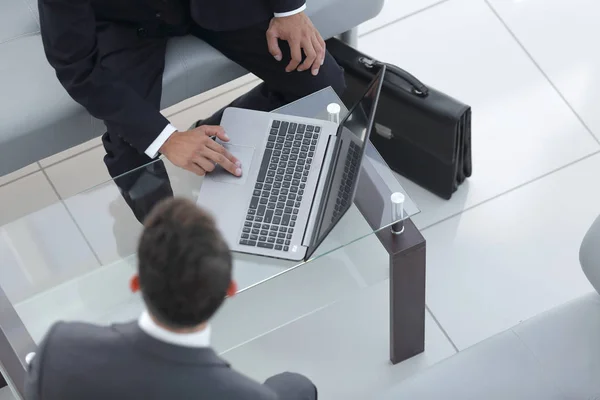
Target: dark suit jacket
x=233, y=14
x=69, y=34
x=81, y=361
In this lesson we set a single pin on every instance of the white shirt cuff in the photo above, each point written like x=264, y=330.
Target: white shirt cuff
x=152, y=150
x=290, y=13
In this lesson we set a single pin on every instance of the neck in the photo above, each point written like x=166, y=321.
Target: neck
x=194, y=329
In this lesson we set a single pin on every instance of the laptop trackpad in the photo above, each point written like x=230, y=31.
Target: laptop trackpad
x=242, y=153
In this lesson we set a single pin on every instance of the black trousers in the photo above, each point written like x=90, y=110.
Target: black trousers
x=139, y=60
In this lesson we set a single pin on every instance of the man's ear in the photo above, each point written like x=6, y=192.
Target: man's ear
x=232, y=289
x=134, y=283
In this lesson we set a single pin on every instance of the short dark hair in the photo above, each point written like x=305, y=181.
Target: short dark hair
x=184, y=264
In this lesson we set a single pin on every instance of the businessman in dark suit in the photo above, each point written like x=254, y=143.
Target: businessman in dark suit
x=110, y=56
x=184, y=269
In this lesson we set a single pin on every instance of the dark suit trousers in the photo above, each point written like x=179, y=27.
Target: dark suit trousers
x=139, y=61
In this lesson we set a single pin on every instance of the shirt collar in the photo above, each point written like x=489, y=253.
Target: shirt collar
x=195, y=339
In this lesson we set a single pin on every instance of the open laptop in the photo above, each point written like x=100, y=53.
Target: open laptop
x=299, y=178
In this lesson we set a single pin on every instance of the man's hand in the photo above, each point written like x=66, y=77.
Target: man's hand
x=195, y=151
x=301, y=35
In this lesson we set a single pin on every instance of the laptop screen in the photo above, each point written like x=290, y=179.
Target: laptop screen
x=352, y=138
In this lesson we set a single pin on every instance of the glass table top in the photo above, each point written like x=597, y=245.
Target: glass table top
x=73, y=259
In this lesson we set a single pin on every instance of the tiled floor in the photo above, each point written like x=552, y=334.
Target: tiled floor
x=507, y=241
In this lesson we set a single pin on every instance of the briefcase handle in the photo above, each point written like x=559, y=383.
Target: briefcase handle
x=418, y=87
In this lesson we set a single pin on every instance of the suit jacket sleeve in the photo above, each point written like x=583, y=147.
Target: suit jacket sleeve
x=282, y=6
x=68, y=30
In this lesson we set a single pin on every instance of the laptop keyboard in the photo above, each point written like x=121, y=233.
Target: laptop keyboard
x=279, y=189
x=351, y=169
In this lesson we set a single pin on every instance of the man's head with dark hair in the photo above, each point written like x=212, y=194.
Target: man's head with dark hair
x=184, y=265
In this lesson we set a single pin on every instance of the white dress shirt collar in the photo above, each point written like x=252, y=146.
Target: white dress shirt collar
x=195, y=339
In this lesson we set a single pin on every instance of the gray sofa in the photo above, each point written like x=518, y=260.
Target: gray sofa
x=553, y=356
x=38, y=118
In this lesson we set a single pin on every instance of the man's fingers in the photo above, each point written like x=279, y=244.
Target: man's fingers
x=320, y=56
x=193, y=167
x=273, y=43
x=216, y=147
x=323, y=46
x=204, y=163
x=296, y=52
x=214, y=130
x=311, y=55
x=221, y=134
x=320, y=40
x=224, y=162
x=222, y=157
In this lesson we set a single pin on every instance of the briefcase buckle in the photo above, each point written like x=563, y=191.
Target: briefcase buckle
x=367, y=62
x=417, y=87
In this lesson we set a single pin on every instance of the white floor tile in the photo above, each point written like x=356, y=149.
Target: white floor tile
x=25, y=196
x=73, y=151
x=561, y=36
x=512, y=258
x=13, y=176
x=79, y=173
x=521, y=127
x=89, y=298
x=112, y=228
x=106, y=221
x=343, y=348
x=394, y=10
x=40, y=251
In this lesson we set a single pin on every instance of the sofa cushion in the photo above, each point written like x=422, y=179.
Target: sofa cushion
x=500, y=368
x=17, y=18
x=566, y=343
x=589, y=255
x=555, y=355
x=39, y=119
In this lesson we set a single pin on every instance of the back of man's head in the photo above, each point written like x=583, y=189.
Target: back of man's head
x=184, y=264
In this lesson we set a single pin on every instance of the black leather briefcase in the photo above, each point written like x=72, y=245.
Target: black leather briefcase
x=421, y=133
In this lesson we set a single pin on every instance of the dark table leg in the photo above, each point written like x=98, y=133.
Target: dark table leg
x=407, y=266
x=407, y=291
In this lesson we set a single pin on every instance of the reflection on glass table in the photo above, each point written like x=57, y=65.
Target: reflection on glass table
x=73, y=259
